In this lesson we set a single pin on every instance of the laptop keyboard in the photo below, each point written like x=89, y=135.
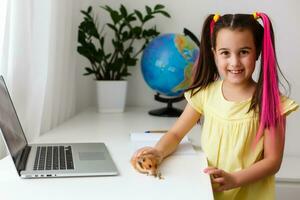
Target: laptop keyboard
x=53, y=158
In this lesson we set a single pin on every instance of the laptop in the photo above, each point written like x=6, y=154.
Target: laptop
x=49, y=160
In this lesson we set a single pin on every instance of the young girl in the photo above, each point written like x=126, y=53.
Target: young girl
x=244, y=120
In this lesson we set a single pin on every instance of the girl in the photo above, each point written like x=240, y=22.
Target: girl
x=244, y=125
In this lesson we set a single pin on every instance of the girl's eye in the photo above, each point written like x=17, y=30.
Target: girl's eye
x=244, y=52
x=225, y=53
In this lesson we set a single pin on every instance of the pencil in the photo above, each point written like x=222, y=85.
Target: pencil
x=156, y=131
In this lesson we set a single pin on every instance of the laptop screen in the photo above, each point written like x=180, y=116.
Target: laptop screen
x=10, y=125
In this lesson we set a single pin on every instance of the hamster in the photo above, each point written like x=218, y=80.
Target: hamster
x=147, y=164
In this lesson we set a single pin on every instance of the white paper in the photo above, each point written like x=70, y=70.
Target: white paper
x=139, y=140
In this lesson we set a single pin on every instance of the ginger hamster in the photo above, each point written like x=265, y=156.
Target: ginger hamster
x=147, y=164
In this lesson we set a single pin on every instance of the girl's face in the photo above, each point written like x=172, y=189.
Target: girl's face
x=235, y=55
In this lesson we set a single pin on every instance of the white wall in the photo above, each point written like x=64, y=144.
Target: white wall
x=191, y=14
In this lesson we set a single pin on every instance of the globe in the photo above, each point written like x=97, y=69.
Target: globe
x=167, y=63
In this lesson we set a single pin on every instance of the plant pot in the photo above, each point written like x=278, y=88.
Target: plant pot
x=111, y=96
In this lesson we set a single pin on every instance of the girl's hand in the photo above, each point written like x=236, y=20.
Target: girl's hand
x=146, y=160
x=221, y=180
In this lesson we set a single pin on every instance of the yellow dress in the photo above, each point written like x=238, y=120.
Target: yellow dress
x=226, y=139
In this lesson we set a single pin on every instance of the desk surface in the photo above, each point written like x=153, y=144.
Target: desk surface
x=183, y=176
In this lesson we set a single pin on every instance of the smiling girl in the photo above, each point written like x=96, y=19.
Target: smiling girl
x=244, y=120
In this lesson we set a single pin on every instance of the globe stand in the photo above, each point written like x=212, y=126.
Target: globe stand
x=169, y=111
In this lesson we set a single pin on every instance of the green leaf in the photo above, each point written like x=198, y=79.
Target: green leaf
x=148, y=9
x=89, y=9
x=150, y=33
x=153, y=32
x=130, y=18
x=86, y=14
x=137, y=31
x=113, y=27
x=114, y=15
x=89, y=70
x=164, y=13
x=123, y=11
x=125, y=36
x=107, y=8
x=148, y=17
x=159, y=6
x=139, y=14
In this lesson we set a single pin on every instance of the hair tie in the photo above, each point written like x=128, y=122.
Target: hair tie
x=256, y=15
x=213, y=21
x=216, y=17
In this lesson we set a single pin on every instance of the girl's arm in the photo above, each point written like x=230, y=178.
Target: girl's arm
x=269, y=165
x=168, y=143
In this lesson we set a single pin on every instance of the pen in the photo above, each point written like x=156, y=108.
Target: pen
x=156, y=131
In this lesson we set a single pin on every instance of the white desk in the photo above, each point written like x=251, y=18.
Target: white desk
x=183, y=176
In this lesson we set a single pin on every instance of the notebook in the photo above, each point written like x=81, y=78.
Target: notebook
x=49, y=160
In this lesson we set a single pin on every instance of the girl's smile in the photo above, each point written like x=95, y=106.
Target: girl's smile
x=236, y=71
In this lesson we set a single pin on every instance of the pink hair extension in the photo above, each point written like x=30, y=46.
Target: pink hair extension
x=212, y=24
x=270, y=107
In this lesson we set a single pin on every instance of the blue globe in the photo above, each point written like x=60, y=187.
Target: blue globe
x=167, y=63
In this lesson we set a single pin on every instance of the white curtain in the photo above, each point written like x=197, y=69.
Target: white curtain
x=3, y=9
x=37, y=58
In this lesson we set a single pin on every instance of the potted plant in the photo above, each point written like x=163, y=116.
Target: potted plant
x=109, y=64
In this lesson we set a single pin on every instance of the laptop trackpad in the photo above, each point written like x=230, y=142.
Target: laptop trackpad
x=91, y=156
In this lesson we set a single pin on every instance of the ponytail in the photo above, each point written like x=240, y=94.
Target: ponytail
x=205, y=70
x=270, y=108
